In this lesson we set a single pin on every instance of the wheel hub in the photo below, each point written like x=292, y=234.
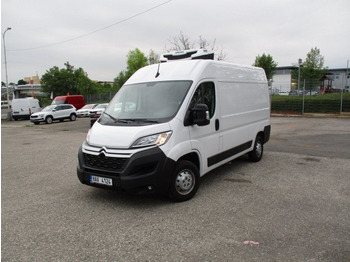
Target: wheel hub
x=184, y=182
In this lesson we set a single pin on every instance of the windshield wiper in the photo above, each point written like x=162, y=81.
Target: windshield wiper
x=126, y=121
x=112, y=117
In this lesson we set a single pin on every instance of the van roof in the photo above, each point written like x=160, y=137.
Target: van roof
x=196, y=70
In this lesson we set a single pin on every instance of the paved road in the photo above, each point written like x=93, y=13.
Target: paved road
x=295, y=202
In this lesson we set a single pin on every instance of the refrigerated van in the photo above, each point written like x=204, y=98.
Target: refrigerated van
x=171, y=123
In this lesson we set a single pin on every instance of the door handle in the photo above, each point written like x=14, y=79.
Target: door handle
x=217, y=124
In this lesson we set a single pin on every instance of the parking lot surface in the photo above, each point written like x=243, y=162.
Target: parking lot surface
x=293, y=205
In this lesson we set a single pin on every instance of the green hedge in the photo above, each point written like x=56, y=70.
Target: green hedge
x=328, y=103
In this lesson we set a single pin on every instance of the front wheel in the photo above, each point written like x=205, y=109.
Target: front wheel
x=256, y=154
x=73, y=117
x=49, y=120
x=184, y=181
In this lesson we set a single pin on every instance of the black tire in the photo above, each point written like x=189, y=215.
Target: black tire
x=184, y=181
x=49, y=120
x=73, y=117
x=256, y=154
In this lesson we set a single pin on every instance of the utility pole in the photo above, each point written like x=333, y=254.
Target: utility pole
x=7, y=82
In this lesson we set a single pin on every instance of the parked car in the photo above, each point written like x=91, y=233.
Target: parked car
x=4, y=104
x=54, y=112
x=293, y=93
x=311, y=93
x=85, y=110
x=98, y=110
x=283, y=93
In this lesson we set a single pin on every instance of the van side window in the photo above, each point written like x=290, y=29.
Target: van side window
x=205, y=94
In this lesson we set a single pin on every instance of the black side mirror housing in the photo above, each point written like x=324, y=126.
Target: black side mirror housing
x=92, y=122
x=198, y=115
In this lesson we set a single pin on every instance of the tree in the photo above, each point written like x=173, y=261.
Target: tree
x=180, y=42
x=267, y=63
x=312, y=69
x=135, y=60
x=21, y=82
x=153, y=57
x=184, y=42
x=67, y=80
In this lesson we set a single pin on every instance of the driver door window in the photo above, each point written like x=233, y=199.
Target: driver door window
x=205, y=94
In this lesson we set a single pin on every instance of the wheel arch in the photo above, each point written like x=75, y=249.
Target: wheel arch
x=192, y=157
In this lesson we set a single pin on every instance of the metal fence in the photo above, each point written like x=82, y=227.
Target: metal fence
x=99, y=98
x=333, y=103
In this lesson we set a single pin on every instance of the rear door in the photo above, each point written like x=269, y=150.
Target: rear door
x=66, y=110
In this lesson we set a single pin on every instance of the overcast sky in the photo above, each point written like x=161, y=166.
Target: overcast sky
x=97, y=35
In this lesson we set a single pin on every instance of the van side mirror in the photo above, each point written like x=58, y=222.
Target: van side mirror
x=92, y=122
x=198, y=115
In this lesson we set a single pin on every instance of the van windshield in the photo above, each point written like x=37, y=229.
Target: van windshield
x=146, y=103
x=57, y=102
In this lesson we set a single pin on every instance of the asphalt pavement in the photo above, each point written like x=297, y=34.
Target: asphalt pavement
x=293, y=205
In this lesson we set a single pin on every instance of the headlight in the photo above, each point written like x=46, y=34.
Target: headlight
x=152, y=140
x=88, y=137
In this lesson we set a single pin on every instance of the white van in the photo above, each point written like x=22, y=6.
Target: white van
x=22, y=108
x=171, y=123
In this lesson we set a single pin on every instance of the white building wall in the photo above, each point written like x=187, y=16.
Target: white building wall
x=281, y=83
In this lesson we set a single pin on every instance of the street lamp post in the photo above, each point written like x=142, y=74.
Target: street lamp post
x=299, y=62
x=7, y=82
x=347, y=74
x=346, y=86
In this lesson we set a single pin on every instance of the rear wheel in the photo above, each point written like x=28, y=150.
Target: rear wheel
x=184, y=181
x=49, y=120
x=256, y=154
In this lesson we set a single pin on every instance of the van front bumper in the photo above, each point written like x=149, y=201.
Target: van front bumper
x=146, y=171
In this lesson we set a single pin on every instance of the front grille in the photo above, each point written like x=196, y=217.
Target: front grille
x=104, y=162
x=34, y=116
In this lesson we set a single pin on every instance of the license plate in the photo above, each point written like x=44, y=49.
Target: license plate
x=101, y=180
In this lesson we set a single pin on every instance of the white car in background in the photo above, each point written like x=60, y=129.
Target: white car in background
x=54, y=112
x=98, y=110
x=85, y=110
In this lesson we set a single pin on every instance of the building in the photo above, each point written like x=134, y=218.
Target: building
x=34, y=80
x=282, y=79
x=22, y=91
x=340, y=77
